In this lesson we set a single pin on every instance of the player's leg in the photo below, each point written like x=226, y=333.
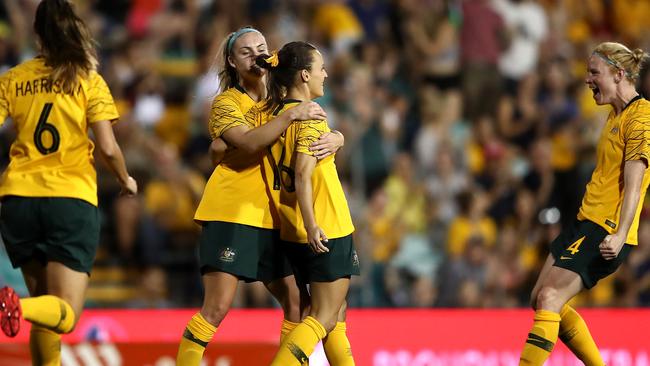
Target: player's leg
x=573, y=329
x=54, y=307
x=336, y=344
x=224, y=260
x=67, y=233
x=575, y=334
x=274, y=270
x=546, y=268
x=285, y=291
x=326, y=301
x=220, y=288
x=558, y=287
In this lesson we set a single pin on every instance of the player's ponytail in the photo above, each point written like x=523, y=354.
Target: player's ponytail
x=283, y=69
x=66, y=43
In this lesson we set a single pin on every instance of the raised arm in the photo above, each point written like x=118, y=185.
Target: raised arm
x=304, y=192
x=112, y=154
x=255, y=139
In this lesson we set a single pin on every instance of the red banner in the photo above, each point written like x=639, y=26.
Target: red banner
x=378, y=338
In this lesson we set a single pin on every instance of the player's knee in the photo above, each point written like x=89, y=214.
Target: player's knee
x=215, y=313
x=547, y=298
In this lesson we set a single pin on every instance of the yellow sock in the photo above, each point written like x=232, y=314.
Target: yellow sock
x=45, y=346
x=50, y=312
x=575, y=335
x=300, y=343
x=337, y=346
x=541, y=338
x=287, y=327
x=196, y=337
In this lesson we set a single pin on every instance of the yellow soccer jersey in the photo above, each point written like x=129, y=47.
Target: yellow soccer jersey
x=330, y=205
x=236, y=191
x=624, y=137
x=52, y=155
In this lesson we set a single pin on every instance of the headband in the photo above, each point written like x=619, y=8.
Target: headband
x=240, y=32
x=615, y=64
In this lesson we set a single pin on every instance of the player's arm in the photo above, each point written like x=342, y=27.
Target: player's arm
x=112, y=154
x=633, y=172
x=255, y=139
x=636, y=135
x=327, y=144
x=217, y=151
x=304, y=168
x=637, y=151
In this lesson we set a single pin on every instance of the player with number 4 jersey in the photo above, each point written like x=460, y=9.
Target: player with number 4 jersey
x=606, y=228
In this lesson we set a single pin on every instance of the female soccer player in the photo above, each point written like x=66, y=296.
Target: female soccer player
x=49, y=218
x=315, y=219
x=239, y=239
x=606, y=227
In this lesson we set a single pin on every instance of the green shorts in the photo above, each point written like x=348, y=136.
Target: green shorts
x=576, y=249
x=64, y=230
x=340, y=262
x=248, y=252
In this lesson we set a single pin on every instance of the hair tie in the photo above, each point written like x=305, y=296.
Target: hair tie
x=274, y=60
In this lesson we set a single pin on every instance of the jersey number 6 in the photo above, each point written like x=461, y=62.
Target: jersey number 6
x=43, y=126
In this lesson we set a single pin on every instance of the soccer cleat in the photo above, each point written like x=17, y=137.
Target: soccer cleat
x=10, y=312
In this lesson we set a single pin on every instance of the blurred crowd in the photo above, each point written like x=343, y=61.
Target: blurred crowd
x=469, y=138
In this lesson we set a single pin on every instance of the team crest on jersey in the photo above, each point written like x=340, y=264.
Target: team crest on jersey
x=228, y=255
x=355, y=259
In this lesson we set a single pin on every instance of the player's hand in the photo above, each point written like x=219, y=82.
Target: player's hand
x=327, y=144
x=308, y=110
x=611, y=246
x=129, y=188
x=316, y=237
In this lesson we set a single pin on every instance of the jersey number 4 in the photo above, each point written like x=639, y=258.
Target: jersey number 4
x=41, y=128
x=574, y=248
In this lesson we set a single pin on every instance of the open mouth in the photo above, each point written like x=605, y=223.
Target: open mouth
x=595, y=90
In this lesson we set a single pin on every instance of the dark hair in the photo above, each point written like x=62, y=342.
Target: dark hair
x=228, y=77
x=66, y=43
x=292, y=58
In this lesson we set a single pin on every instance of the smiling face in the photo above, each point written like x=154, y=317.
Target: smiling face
x=601, y=79
x=317, y=76
x=244, y=51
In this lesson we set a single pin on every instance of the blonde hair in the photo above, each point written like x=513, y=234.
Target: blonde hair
x=620, y=57
x=228, y=77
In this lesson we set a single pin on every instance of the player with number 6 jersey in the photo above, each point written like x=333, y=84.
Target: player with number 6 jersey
x=49, y=218
x=52, y=144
